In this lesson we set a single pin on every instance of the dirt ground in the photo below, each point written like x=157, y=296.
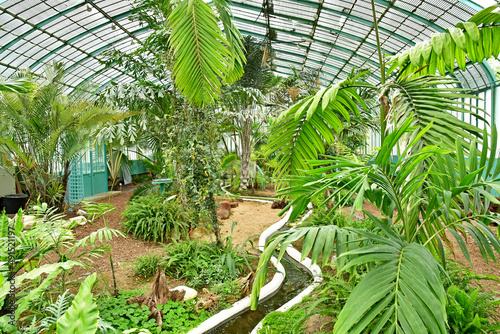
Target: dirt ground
x=252, y=219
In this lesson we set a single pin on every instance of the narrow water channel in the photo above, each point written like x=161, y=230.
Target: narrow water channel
x=296, y=280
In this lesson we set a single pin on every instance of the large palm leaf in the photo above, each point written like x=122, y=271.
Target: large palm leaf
x=444, y=49
x=426, y=100
x=201, y=57
x=302, y=132
x=403, y=293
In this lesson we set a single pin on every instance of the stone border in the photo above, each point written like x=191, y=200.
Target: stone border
x=313, y=269
x=268, y=290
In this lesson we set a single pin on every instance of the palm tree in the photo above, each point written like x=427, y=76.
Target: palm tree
x=44, y=131
x=429, y=191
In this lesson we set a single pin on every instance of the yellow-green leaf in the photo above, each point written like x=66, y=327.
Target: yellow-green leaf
x=458, y=37
x=438, y=41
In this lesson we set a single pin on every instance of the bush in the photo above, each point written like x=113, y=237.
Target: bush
x=204, y=263
x=212, y=275
x=146, y=265
x=470, y=311
x=155, y=218
x=178, y=317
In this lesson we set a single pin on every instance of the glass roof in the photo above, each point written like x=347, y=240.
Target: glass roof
x=331, y=35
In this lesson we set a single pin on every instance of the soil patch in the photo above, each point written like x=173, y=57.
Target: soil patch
x=252, y=219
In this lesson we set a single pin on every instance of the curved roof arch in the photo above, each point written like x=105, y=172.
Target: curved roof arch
x=334, y=36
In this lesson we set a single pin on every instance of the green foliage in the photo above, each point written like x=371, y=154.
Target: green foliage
x=81, y=317
x=203, y=263
x=147, y=265
x=444, y=49
x=280, y=322
x=178, y=317
x=211, y=275
x=201, y=58
x=470, y=311
x=115, y=311
x=45, y=131
x=312, y=123
x=155, y=218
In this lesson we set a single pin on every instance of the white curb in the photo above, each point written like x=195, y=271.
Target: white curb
x=314, y=269
x=267, y=291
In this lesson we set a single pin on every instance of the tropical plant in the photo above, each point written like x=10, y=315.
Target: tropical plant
x=430, y=190
x=470, y=311
x=147, y=265
x=20, y=85
x=178, y=317
x=156, y=218
x=82, y=316
x=45, y=131
x=34, y=287
x=203, y=262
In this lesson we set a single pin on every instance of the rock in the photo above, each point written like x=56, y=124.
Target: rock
x=81, y=220
x=28, y=221
x=225, y=205
x=81, y=212
x=189, y=292
x=199, y=232
x=318, y=323
x=66, y=224
x=239, y=199
x=233, y=204
x=223, y=214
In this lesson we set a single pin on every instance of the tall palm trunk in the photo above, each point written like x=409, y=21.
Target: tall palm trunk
x=246, y=145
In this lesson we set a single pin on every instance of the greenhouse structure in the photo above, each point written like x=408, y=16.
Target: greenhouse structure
x=243, y=166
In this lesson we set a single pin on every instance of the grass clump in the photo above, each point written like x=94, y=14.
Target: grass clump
x=155, y=218
x=204, y=264
x=146, y=265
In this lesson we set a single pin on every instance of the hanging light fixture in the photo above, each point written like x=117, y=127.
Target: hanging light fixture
x=113, y=27
x=89, y=9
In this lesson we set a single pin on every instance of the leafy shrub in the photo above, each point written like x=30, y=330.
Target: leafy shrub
x=155, y=218
x=204, y=263
x=470, y=311
x=178, y=317
x=146, y=265
x=229, y=293
x=280, y=322
x=212, y=275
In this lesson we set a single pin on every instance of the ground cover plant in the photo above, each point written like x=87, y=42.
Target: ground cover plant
x=178, y=317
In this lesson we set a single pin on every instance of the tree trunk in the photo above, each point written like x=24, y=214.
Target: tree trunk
x=159, y=294
x=246, y=142
x=212, y=207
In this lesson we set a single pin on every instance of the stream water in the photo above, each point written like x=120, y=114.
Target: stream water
x=296, y=280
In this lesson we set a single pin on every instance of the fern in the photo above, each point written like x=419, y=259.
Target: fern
x=56, y=310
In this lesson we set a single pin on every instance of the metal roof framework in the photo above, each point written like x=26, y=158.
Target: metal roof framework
x=331, y=35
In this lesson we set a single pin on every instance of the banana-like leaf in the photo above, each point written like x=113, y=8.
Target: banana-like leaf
x=82, y=315
x=52, y=270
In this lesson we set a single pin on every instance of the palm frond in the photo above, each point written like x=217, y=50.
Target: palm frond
x=201, y=57
x=302, y=132
x=444, y=49
x=404, y=292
